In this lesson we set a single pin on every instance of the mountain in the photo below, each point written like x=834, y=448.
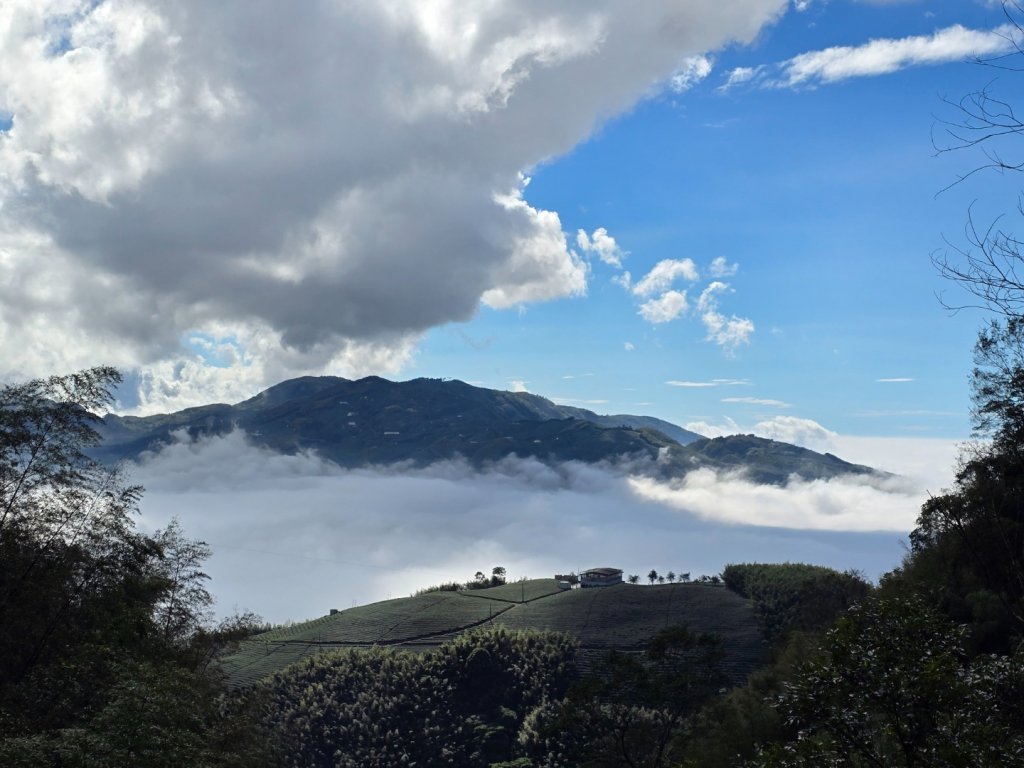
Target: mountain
x=374, y=421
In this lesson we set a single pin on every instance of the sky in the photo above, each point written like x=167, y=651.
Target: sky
x=720, y=214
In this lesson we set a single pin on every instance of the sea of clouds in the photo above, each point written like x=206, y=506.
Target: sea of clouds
x=293, y=536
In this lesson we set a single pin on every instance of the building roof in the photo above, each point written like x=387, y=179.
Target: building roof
x=603, y=572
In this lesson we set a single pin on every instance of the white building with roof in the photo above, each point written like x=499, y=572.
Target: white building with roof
x=601, y=577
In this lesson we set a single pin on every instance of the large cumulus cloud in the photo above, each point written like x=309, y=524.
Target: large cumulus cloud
x=317, y=183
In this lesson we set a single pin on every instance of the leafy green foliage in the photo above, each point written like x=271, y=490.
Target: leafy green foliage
x=969, y=543
x=480, y=581
x=795, y=596
x=891, y=690
x=730, y=728
x=634, y=711
x=103, y=646
x=461, y=704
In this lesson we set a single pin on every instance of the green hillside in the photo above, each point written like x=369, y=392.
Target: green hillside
x=622, y=618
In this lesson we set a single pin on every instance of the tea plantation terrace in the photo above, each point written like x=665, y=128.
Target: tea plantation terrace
x=617, y=617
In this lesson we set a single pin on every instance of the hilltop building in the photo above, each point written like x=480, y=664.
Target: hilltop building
x=601, y=577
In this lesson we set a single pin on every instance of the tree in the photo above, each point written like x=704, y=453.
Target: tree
x=183, y=607
x=633, y=578
x=671, y=576
x=990, y=266
x=890, y=690
x=634, y=711
x=497, y=576
x=49, y=486
x=460, y=704
x=103, y=644
x=685, y=577
x=652, y=576
x=66, y=534
x=971, y=538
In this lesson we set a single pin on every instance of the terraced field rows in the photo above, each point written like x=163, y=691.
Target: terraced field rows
x=519, y=591
x=621, y=617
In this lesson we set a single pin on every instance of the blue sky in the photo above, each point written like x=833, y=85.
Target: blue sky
x=721, y=214
x=825, y=195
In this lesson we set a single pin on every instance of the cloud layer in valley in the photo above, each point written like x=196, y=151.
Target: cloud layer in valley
x=168, y=170
x=294, y=535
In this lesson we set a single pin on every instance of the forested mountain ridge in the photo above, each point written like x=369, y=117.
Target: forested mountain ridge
x=373, y=421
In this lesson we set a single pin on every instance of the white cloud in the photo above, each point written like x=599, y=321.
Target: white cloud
x=257, y=357
x=721, y=268
x=625, y=279
x=284, y=547
x=539, y=267
x=804, y=432
x=853, y=503
x=757, y=401
x=602, y=244
x=883, y=56
x=629, y=346
x=665, y=308
x=711, y=383
x=894, y=380
x=740, y=75
x=693, y=70
x=517, y=385
x=707, y=429
x=709, y=296
x=726, y=332
x=664, y=274
x=348, y=186
x=927, y=462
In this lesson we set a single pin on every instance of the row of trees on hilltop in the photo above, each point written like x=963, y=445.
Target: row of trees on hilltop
x=480, y=580
x=653, y=577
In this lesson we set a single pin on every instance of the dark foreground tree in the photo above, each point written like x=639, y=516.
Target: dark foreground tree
x=103, y=649
x=892, y=689
x=635, y=710
x=968, y=549
x=459, y=705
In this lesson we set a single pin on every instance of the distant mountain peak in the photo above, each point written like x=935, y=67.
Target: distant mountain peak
x=374, y=421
